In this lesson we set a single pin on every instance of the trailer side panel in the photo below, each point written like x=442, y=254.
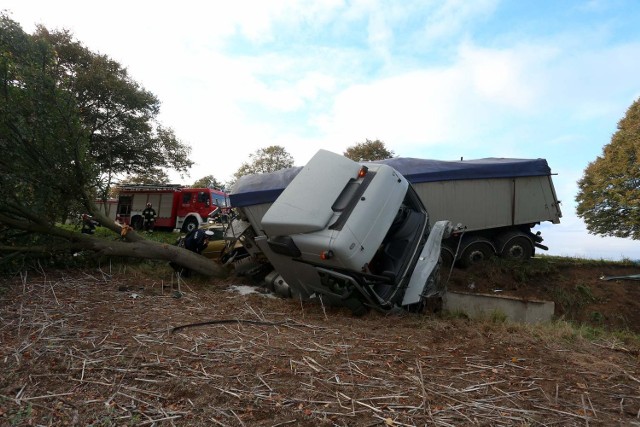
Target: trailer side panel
x=482, y=204
x=476, y=203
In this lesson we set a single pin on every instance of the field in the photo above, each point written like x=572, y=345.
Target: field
x=97, y=347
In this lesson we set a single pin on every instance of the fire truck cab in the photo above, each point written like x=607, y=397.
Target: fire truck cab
x=176, y=207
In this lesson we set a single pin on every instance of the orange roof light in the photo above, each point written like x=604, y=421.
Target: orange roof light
x=363, y=171
x=325, y=255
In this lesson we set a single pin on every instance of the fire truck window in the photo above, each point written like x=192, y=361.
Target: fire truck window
x=219, y=202
x=203, y=198
x=186, y=198
x=124, y=205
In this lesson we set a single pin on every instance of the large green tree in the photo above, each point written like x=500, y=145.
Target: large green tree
x=368, y=151
x=609, y=191
x=208, y=181
x=151, y=176
x=71, y=121
x=264, y=160
x=117, y=114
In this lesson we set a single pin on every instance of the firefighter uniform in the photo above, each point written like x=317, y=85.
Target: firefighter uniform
x=149, y=216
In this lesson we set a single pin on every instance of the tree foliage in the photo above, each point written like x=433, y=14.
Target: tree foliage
x=117, y=114
x=208, y=181
x=609, y=191
x=152, y=176
x=71, y=121
x=368, y=151
x=264, y=160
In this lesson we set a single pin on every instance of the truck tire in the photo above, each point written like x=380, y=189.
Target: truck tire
x=253, y=270
x=446, y=256
x=189, y=225
x=518, y=248
x=475, y=253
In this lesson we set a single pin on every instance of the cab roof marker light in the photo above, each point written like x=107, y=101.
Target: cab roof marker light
x=324, y=255
x=363, y=171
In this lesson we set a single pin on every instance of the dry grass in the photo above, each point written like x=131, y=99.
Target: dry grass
x=92, y=348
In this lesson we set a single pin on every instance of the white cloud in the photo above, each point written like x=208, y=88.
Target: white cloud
x=435, y=105
x=509, y=77
x=448, y=18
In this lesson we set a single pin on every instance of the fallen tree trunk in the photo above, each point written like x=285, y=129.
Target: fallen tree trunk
x=130, y=245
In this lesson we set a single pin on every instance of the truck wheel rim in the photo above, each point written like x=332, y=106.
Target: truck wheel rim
x=476, y=256
x=516, y=252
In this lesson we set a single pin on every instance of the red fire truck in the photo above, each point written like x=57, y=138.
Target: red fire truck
x=176, y=207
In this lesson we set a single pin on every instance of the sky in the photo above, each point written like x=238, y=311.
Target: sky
x=433, y=79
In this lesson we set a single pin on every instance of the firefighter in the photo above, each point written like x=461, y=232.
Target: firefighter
x=88, y=224
x=196, y=241
x=149, y=216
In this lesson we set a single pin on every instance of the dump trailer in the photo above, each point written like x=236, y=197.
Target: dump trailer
x=497, y=200
x=356, y=235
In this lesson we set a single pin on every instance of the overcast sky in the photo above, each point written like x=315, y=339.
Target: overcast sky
x=438, y=79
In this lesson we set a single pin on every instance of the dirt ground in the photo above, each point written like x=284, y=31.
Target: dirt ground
x=92, y=348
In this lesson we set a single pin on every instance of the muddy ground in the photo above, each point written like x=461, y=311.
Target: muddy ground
x=96, y=348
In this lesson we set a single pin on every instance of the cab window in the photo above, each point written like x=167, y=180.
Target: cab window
x=219, y=201
x=203, y=198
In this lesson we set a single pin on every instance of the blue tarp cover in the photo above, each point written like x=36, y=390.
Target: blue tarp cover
x=420, y=170
x=265, y=188
x=261, y=188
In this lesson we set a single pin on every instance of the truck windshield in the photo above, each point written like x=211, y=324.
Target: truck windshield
x=218, y=200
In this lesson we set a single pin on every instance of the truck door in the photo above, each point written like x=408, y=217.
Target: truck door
x=203, y=200
x=124, y=209
x=195, y=202
x=187, y=196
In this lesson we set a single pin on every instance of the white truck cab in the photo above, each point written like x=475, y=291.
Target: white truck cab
x=354, y=234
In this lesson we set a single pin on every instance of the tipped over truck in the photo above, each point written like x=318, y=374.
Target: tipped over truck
x=354, y=234
x=498, y=200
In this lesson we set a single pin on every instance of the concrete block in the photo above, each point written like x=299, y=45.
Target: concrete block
x=515, y=309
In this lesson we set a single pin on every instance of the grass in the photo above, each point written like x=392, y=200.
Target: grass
x=573, y=261
x=455, y=314
x=563, y=330
x=522, y=272
x=158, y=236
x=544, y=266
x=497, y=316
x=572, y=301
x=557, y=330
x=585, y=293
x=494, y=317
x=21, y=416
x=570, y=331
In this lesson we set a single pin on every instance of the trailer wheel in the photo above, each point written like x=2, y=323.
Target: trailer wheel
x=446, y=255
x=475, y=253
x=517, y=249
x=189, y=225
